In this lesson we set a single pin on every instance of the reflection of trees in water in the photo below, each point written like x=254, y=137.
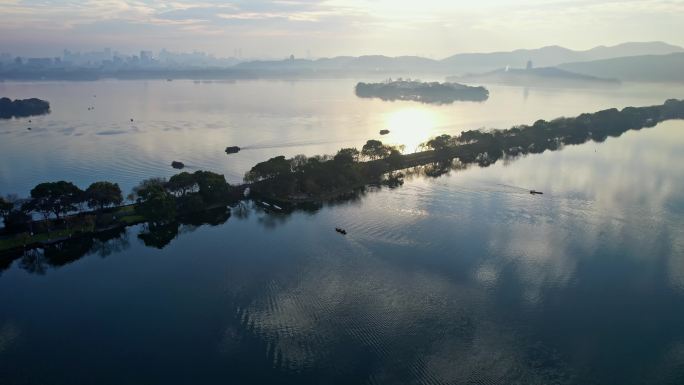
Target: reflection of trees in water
x=105, y=244
x=38, y=261
x=159, y=235
x=34, y=262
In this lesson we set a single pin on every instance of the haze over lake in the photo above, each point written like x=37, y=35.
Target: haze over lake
x=464, y=278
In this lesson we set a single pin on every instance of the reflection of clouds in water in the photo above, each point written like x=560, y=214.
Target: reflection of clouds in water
x=367, y=299
x=357, y=298
x=609, y=199
x=676, y=264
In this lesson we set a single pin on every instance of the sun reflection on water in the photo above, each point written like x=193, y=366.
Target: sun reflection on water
x=411, y=127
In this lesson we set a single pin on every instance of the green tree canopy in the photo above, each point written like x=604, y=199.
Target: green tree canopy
x=374, y=149
x=56, y=198
x=155, y=204
x=269, y=169
x=347, y=156
x=212, y=186
x=440, y=143
x=103, y=194
x=5, y=207
x=181, y=184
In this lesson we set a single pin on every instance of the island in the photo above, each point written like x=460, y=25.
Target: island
x=295, y=182
x=424, y=92
x=21, y=108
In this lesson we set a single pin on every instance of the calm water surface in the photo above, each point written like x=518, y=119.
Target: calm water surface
x=465, y=278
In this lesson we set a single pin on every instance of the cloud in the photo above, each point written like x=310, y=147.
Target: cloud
x=339, y=26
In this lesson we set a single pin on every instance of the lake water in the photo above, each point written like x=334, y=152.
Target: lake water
x=465, y=278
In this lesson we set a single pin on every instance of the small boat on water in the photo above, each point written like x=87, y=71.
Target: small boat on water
x=534, y=192
x=232, y=149
x=275, y=206
x=384, y=132
x=341, y=231
x=177, y=165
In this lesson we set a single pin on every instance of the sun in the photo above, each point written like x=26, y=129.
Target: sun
x=411, y=127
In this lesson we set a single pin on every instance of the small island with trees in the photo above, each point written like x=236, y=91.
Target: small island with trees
x=68, y=212
x=424, y=92
x=21, y=108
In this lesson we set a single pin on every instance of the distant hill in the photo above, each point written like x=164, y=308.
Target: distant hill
x=552, y=56
x=539, y=77
x=456, y=64
x=369, y=63
x=652, y=68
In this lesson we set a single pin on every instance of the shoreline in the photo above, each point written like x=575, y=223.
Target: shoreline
x=288, y=188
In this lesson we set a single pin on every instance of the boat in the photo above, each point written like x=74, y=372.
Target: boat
x=177, y=164
x=341, y=231
x=275, y=206
x=384, y=132
x=232, y=149
x=534, y=192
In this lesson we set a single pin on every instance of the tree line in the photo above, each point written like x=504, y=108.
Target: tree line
x=157, y=200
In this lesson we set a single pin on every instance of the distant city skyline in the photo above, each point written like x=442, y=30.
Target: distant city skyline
x=276, y=29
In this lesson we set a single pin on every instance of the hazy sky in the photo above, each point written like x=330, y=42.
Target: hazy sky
x=435, y=28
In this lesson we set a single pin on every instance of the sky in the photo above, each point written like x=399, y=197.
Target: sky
x=278, y=28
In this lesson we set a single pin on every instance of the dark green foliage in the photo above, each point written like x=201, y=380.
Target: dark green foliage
x=212, y=187
x=347, y=156
x=433, y=92
x=5, y=207
x=440, y=143
x=56, y=198
x=395, y=160
x=486, y=147
x=156, y=204
x=270, y=169
x=374, y=149
x=103, y=194
x=17, y=221
x=22, y=108
x=181, y=184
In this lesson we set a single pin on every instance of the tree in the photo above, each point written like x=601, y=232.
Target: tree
x=440, y=143
x=56, y=198
x=347, y=156
x=395, y=159
x=145, y=185
x=269, y=169
x=155, y=203
x=102, y=194
x=5, y=207
x=181, y=184
x=212, y=186
x=374, y=149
